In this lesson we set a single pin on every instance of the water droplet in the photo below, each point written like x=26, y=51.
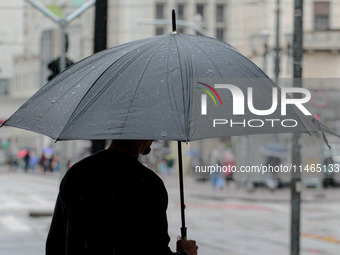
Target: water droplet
x=163, y=134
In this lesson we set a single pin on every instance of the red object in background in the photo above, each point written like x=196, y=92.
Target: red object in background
x=316, y=116
x=2, y=121
x=22, y=153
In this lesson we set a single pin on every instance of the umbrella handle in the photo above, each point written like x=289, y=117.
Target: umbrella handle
x=181, y=190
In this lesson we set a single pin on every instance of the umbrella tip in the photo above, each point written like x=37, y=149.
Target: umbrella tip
x=174, y=22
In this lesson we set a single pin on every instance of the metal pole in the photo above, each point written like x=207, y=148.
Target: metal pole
x=100, y=43
x=265, y=56
x=100, y=26
x=79, y=11
x=62, y=67
x=62, y=62
x=44, y=10
x=296, y=185
x=277, y=47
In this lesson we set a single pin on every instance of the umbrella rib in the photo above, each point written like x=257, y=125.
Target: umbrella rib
x=104, y=52
x=67, y=91
x=186, y=118
x=265, y=83
x=139, y=80
x=240, y=55
x=208, y=57
x=93, y=62
x=223, y=44
x=302, y=120
x=182, y=82
x=56, y=80
x=75, y=118
x=235, y=51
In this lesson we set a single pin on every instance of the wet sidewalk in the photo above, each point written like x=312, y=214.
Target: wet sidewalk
x=203, y=190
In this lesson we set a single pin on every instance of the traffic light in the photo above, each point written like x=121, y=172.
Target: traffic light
x=54, y=66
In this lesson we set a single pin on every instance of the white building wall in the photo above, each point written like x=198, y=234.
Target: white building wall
x=11, y=34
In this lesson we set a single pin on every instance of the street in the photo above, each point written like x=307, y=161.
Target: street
x=220, y=224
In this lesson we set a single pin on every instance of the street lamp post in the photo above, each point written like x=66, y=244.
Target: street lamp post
x=265, y=37
x=296, y=184
x=278, y=53
x=278, y=50
x=277, y=47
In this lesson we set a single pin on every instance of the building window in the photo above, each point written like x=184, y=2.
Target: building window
x=180, y=11
x=160, y=10
x=321, y=15
x=200, y=10
x=180, y=29
x=219, y=12
x=220, y=34
x=159, y=31
x=4, y=86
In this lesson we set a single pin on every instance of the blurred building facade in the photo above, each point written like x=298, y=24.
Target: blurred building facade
x=321, y=38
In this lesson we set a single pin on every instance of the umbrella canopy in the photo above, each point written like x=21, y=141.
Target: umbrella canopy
x=152, y=89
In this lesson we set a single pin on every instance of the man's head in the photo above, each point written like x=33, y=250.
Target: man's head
x=132, y=147
x=145, y=146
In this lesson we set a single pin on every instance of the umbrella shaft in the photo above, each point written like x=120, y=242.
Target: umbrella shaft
x=181, y=189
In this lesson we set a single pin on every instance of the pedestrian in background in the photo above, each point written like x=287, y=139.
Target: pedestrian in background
x=216, y=178
x=42, y=163
x=169, y=164
x=27, y=161
x=33, y=162
x=273, y=180
x=228, y=161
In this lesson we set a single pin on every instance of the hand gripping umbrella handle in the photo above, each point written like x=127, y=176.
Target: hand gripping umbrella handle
x=181, y=190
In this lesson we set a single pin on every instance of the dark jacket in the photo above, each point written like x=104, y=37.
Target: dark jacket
x=109, y=203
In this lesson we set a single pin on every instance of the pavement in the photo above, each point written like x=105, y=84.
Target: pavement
x=234, y=221
x=224, y=221
x=203, y=190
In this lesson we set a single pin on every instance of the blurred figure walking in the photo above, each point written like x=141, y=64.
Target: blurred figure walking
x=27, y=161
x=215, y=176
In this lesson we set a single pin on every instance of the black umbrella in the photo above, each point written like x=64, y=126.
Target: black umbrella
x=157, y=89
